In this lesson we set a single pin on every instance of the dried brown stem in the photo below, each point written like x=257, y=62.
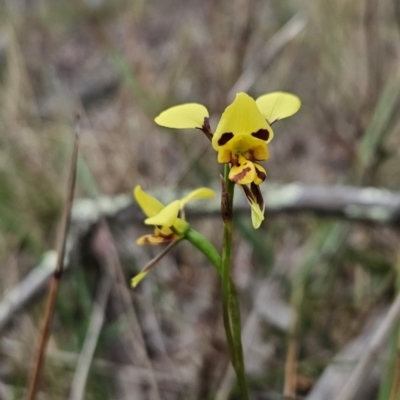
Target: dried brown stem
x=395, y=389
x=55, y=281
x=289, y=390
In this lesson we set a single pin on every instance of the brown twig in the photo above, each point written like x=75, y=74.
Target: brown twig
x=55, y=281
x=289, y=390
x=395, y=389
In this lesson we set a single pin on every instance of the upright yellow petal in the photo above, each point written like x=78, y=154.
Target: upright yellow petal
x=200, y=193
x=166, y=217
x=242, y=117
x=184, y=116
x=150, y=205
x=278, y=105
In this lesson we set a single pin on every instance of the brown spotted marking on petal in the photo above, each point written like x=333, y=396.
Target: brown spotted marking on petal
x=255, y=189
x=262, y=134
x=248, y=193
x=206, y=125
x=241, y=175
x=165, y=237
x=250, y=155
x=225, y=138
x=235, y=161
x=206, y=129
x=261, y=174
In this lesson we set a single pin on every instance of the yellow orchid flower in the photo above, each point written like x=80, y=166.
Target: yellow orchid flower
x=241, y=137
x=168, y=226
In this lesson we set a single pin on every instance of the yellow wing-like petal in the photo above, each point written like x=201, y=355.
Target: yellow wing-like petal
x=200, y=193
x=149, y=204
x=184, y=116
x=167, y=216
x=242, y=117
x=278, y=105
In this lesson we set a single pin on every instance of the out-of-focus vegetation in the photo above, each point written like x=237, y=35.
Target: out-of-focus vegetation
x=118, y=63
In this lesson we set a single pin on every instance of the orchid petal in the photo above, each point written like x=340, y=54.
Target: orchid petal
x=200, y=193
x=150, y=205
x=278, y=105
x=257, y=215
x=166, y=217
x=241, y=117
x=256, y=201
x=184, y=116
x=244, y=172
x=261, y=174
x=138, y=278
x=154, y=239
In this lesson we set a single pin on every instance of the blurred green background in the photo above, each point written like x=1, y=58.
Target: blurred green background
x=118, y=64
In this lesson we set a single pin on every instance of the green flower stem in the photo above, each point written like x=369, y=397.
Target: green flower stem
x=202, y=244
x=231, y=308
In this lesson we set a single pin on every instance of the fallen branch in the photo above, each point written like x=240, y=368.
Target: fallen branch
x=369, y=205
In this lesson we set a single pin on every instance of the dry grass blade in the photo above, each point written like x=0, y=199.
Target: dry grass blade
x=371, y=352
x=109, y=255
x=289, y=390
x=91, y=340
x=55, y=281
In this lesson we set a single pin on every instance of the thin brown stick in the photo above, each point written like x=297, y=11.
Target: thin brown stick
x=395, y=390
x=289, y=390
x=55, y=281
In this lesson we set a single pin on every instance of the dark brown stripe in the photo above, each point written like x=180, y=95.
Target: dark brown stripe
x=257, y=194
x=262, y=175
x=248, y=193
x=240, y=176
x=225, y=138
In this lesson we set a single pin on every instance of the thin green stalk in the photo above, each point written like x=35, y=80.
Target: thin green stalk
x=231, y=310
x=202, y=244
